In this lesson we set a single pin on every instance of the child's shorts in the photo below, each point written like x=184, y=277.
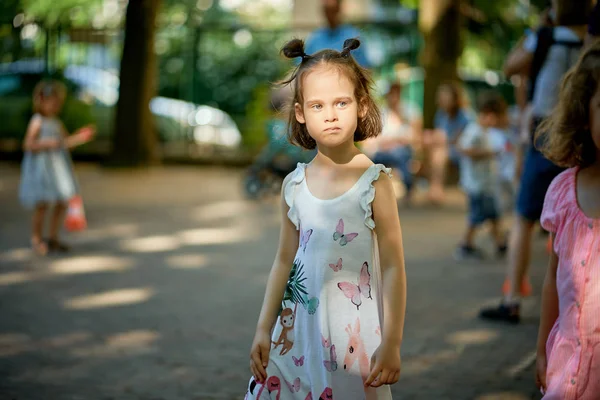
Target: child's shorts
x=538, y=174
x=482, y=207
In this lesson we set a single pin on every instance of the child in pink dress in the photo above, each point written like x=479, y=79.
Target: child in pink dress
x=568, y=359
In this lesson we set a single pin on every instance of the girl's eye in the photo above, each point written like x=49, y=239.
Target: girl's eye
x=316, y=106
x=342, y=104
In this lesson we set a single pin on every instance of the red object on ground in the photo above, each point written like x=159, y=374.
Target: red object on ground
x=75, y=220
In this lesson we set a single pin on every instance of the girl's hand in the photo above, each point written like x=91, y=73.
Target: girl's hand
x=87, y=133
x=385, y=365
x=540, y=372
x=259, y=355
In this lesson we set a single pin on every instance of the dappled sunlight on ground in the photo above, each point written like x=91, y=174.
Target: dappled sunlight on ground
x=187, y=261
x=220, y=210
x=13, y=278
x=471, y=337
x=112, y=298
x=124, y=343
x=423, y=363
x=90, y=264
x=16, y=255
x=108, y=232
x=212, y=236
x=12, y=344
x=150, y=244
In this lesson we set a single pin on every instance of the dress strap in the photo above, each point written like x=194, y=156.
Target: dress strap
x=367, y=194
x=289, y=193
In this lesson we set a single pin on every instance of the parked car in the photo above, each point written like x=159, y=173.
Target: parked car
x=92, y=97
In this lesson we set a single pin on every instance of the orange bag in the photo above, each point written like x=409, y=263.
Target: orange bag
x=75, y=219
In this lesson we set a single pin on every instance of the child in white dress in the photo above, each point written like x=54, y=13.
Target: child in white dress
x=47, y=176
x=332, y=320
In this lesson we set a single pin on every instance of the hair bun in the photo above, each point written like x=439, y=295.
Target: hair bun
x=294, y=49
x=349, y=45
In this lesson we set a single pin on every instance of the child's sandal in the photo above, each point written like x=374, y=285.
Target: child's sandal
x=55, y=245
x=39, y=247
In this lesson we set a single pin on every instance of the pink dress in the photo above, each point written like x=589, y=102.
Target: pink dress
x=573, y=347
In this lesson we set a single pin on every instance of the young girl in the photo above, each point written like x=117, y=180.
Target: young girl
x=568, y=360
x=46, y=172
x=337, y=290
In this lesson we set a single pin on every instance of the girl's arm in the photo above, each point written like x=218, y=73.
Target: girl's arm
x=81, y=136
x=32, y=143
x=280, y=271
x=518, y=61
x=288, y=245
x=549, y=312
x=391, y=254
x=385, y=362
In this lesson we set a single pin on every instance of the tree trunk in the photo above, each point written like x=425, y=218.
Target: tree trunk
x=440, y=24
x=135, y=140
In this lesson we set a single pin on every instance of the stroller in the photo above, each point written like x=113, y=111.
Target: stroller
x=274, y=163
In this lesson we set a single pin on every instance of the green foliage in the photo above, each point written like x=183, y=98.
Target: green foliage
x=295, y=290
x=51, y=12
x=256, y=117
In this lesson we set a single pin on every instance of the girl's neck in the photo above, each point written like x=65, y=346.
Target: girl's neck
x=332, y=157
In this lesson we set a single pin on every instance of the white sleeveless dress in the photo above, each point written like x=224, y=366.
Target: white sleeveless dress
x=331, y=317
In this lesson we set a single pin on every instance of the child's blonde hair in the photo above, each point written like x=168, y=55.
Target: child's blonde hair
x=46, y=89
x=565, y=136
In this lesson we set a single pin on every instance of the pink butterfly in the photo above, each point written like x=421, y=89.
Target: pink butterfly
x=339, y=234
x=327, y=394
x=304, y=236
x=332, y=364
x=295, y=386
x=353, y=291
x=336, y=267
x=326, y=343
x=309, y=396
x=298, y=361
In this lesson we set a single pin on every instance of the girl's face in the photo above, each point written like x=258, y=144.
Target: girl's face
x=330, y=110
x=393, y=97
x=50, y=105
x=595, y=120
x=445, y=100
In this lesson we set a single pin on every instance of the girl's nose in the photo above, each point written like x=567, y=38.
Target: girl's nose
x=331, y=115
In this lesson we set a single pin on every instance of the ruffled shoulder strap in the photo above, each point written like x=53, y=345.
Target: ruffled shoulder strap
x=367, y=194
x=289, y=193
x=560, y=197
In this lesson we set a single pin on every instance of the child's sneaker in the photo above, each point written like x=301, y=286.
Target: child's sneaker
x=463, y=253
x=504, y=313
x=525, y=290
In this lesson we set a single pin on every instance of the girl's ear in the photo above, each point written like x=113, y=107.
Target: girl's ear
x=363, y=108
x=299, y=113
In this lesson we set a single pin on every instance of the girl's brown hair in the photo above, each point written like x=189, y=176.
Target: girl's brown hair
x=47, y=89
x=369, y=125
x=457, y=93
x=565, y=136
x=573, y=12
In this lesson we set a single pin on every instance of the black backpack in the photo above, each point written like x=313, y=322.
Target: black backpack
x=545, y=40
